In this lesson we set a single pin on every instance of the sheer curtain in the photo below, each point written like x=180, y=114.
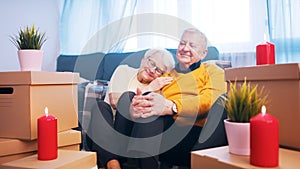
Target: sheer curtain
x=83, y=25
x=235, y=27
x=284, y=26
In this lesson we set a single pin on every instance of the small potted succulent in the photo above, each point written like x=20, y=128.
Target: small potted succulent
x=29, y=42
x=243, y=102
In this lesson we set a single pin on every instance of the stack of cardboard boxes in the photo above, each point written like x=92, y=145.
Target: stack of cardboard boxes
x=281, y=83
x=23, y=98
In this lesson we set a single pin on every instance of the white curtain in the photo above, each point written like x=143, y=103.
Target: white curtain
x=233, y=26
x=83, y=24
x=284, y=17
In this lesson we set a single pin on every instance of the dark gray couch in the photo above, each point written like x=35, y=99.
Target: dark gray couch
x=100, y=66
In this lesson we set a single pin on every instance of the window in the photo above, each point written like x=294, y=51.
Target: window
x=231, y=25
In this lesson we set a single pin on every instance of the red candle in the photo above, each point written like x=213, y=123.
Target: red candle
x=264, y=140
x=265, y=53
x=47, y=137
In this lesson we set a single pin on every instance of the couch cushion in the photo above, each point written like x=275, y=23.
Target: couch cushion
x=212, y=54
x=101, y=66
x=109, y=64
x=87, y=65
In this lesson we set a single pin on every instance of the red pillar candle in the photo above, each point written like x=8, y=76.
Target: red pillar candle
x=47, y=137
x=265, y=53
x=264, y=140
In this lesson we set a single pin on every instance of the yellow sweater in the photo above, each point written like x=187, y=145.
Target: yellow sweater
x=192, y=94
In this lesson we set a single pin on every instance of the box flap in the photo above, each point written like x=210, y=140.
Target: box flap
x=220, y=157
x=38, y=78
x=16, y=146
x=66, y=159
x=287, y=71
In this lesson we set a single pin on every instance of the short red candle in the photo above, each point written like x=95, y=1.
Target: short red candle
x=265, y=53
x=264, y=140
x=47, y=137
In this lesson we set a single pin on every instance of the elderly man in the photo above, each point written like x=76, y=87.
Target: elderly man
x=169, y=123
x=187, y=100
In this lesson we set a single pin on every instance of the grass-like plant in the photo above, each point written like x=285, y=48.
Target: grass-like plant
x=243, y=102
x=28, y=38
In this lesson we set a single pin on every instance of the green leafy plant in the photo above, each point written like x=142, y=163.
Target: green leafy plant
x=29, y=38
x=243, y=102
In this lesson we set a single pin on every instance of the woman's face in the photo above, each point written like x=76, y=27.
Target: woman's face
x=190, y=49
x=151, y=68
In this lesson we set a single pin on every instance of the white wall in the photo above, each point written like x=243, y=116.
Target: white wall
x=15, y=14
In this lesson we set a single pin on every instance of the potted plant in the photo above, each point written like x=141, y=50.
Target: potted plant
x=242, y=103
x=29, y=42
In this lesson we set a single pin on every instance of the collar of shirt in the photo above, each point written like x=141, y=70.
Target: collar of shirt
x=191, y=68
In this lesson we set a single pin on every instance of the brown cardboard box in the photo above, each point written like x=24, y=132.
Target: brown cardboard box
x=66, y=160
x=8, y=158
x=282, y=84
x=12, y=149
x=24, y=96
x=75, y=147
x=220, y=157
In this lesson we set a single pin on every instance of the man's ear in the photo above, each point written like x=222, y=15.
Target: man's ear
x=203, y=54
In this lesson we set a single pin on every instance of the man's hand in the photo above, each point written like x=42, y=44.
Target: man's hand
x=138, y=107
x=152, y=104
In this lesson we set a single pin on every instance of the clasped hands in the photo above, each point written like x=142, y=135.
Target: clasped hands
x=151, y=104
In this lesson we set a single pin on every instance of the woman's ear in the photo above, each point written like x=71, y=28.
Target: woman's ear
x=143, y=61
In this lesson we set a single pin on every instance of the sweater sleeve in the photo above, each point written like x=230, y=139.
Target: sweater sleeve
x=192, y=94
x=196, y=104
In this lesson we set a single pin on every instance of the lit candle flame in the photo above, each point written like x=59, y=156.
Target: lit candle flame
x=263, y=110
x=46, y=111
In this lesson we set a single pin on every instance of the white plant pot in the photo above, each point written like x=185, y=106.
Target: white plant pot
x=30, y=60
x=238, y=136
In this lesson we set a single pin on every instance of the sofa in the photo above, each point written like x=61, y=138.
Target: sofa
x=100, y=67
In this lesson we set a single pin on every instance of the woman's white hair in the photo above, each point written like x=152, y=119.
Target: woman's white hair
x=166, y=57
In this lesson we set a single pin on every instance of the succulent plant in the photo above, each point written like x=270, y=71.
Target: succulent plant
x=243, y=101
x=28, y=38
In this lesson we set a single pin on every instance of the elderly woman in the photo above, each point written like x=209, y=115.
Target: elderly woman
x=155, y=63
x=148, y=78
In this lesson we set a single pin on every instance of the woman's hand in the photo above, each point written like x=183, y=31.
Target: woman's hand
x=113, y=99
x=158, y=83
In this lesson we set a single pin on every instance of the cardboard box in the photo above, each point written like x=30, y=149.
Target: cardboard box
x=66, y=160
x=24, y=96
x=75, y=147
x=8, y=158
x=221, y=158
x=282, y=84
x=12, y=149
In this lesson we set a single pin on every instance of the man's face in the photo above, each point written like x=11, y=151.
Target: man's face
x=190, y=49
